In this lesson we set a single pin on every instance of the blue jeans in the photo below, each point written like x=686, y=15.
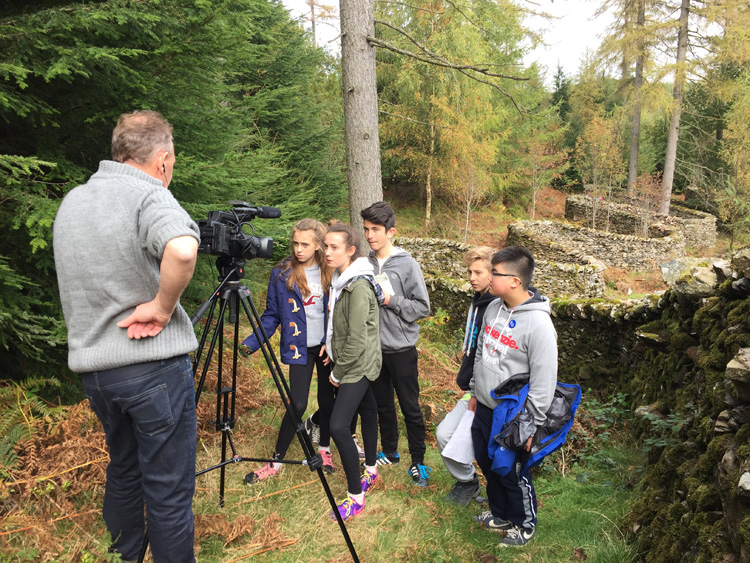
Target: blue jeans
x=148, y=414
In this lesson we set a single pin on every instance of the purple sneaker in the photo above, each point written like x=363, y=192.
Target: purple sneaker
x=368, y=480
x=349, y=508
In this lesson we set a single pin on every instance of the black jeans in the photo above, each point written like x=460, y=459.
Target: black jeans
x=299, y=387
x=400, y=373
x=148, y=414
x=511, y=497
x=352, y=398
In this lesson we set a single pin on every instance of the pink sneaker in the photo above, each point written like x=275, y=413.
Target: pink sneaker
x=263, y=473
x=368, y=480
x=327, y=461
x=349, y=508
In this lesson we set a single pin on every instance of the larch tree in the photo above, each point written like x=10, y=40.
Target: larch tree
x=541, y=156
x=319, y=13
x=635, y=130
x=441, y=124
x=598, y=159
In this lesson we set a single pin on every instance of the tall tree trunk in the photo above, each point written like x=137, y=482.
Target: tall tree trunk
x=626, y=56
x=428, y=183
x=635, y=131
x=467, y=221
x=674, y=122
x=360, y=107
x=311, y=3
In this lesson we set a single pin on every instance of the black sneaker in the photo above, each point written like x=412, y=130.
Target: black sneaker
x=313, y=430
x=517, y=537
x=387, y=459
x=420, y=474
x=493, y=523
x=464, y=491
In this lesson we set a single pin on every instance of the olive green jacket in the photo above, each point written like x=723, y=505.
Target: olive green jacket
x=356, y=333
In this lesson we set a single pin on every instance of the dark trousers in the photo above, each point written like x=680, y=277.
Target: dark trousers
x=148, y=414
x=352, y=398
x=299, y=388
x=399, y=373
x=511, y=497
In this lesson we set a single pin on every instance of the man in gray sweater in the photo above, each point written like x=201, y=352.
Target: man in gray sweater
x=124, y=252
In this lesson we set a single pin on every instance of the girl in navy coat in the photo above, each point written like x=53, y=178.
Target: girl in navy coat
x=297, y=302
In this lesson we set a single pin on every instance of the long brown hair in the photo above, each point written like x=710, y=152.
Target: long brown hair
x=297, y=276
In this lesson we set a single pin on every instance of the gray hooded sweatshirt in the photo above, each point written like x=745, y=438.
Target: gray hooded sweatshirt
x=515, y=341
x=409, y=300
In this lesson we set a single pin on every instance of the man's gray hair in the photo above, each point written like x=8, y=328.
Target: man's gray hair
x=140, y=135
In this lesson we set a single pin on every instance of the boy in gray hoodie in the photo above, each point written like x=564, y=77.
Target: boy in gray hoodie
x=406, y=301
x=518, y=338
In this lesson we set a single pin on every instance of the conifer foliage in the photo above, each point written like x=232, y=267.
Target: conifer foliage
x=240, y=83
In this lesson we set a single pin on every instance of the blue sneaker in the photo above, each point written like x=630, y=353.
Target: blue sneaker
x=517, y=537
x=420, y=474
x=493, y=523
x=387, y=459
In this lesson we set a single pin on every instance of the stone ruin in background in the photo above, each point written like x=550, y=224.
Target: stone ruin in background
x=697, y=227
x=572, y=257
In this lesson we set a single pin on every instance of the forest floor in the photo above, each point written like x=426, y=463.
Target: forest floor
x=50, y=507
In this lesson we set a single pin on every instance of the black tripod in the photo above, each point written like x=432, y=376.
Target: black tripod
x=231, y=294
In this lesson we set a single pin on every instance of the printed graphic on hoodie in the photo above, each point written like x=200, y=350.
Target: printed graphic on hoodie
x=316, y=295
x=498, y=338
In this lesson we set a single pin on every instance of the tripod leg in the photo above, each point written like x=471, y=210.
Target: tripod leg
x=304, y=439
x=232, y=296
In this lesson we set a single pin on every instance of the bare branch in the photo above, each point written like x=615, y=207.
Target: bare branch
x=463, y=69
x=519, y=108
x=436, y=59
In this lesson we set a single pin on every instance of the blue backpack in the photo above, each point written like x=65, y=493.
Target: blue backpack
x=513, y=424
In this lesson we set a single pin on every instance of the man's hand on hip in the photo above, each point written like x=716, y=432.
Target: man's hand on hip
x=146, y=320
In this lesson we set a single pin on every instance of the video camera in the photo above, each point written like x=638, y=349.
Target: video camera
x=222, y=233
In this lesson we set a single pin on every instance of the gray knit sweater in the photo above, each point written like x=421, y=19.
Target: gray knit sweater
x=109, y=236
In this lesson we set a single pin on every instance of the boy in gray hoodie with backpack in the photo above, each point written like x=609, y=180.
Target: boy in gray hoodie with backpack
x=517, y=338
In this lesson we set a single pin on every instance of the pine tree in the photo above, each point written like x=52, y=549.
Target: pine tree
x=241, y=86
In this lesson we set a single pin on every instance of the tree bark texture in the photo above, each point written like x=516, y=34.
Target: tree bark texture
x=360, y=107
x=635, y=131
x=674, y=122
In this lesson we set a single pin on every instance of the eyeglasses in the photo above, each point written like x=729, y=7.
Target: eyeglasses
x=499, y=275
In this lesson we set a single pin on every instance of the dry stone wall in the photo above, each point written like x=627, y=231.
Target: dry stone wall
x=445, y=273
x=564, y=242
x=683, y=362
x=697, y=227
x=437, y=257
